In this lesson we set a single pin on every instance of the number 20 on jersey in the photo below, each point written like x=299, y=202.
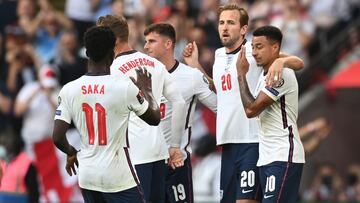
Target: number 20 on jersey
x=226, y=82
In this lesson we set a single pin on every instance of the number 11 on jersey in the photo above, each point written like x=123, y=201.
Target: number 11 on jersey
x=101, y=114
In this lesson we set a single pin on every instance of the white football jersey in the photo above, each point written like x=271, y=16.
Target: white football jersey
x=99, y=107
x=232, y=124
x=193, y=87
x=279, y=136
x=147, y=143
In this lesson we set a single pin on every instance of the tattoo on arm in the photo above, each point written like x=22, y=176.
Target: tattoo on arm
x=246, y=96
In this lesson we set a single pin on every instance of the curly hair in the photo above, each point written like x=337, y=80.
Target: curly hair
x=99, y=42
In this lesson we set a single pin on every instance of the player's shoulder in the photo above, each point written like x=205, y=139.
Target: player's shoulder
x=185, y=68
x=74, y=83
x=220, y=52
x=190, y=71
x=288, y=73
x=71, y=87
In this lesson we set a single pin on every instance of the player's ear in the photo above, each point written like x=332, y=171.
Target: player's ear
x=275, y=47
x=243, y=30
x=168, y=44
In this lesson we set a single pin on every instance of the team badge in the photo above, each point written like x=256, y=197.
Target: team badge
x=140, y=97
x=279, y=83
x=59, y=100
x=205, y=79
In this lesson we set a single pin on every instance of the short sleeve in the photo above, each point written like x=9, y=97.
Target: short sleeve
x=136, y=100
x=286, y=84
x=63, y=111
x=202, y=90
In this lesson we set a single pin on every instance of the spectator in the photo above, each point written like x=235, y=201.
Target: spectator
x=49, y=28
x=297, y=29
x=313, y=133
x=5, y=107
x=68, y=63
x=20, y=60
x=81, y=13
x=351, y=191
x=19, y=172
x=326, y=185
x=37, y=102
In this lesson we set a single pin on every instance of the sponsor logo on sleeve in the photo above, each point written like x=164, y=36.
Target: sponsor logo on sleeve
x=58, y=112
x=140, y=97
x=272, y=90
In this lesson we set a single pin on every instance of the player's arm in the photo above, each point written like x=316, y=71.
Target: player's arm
x=172, y=94
x=204, y=94
x=275, y=71
x=252, y=106
x=152, y=114
x=178, y=120
x=191, y=58
x=61, y=142
x=61, y=125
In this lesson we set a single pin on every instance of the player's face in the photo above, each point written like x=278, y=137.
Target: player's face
x=262, y=50
x=229, y=28
x=155, y=45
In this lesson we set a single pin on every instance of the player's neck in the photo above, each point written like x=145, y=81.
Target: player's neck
x=122, y=47
x=267, y=66
x=169, y=62
x=100, y=68
x=235, y=46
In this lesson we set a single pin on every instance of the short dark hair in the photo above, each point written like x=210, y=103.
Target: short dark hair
x=117, y=24
x=164, y=29
x=244, y=17
x=99, y=42
x=272, y=33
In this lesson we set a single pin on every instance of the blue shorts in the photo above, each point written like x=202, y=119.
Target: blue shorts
x=280, y=181
x=239, y=174
x=129, y=195
x=179, y=186
x=152, y=180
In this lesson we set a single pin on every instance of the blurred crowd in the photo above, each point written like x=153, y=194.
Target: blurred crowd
x=41, y=50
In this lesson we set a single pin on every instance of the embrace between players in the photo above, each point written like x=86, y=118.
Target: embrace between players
x=125, y=153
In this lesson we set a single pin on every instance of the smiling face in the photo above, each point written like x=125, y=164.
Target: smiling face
x=230, y=30
x=156, y=45
x=264, y=51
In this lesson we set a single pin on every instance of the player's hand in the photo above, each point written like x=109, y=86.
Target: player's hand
x=176, y=157
x=275, y=72
x=71, y=162
x=191, y=54
x=143, y=81
x=242, y=64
